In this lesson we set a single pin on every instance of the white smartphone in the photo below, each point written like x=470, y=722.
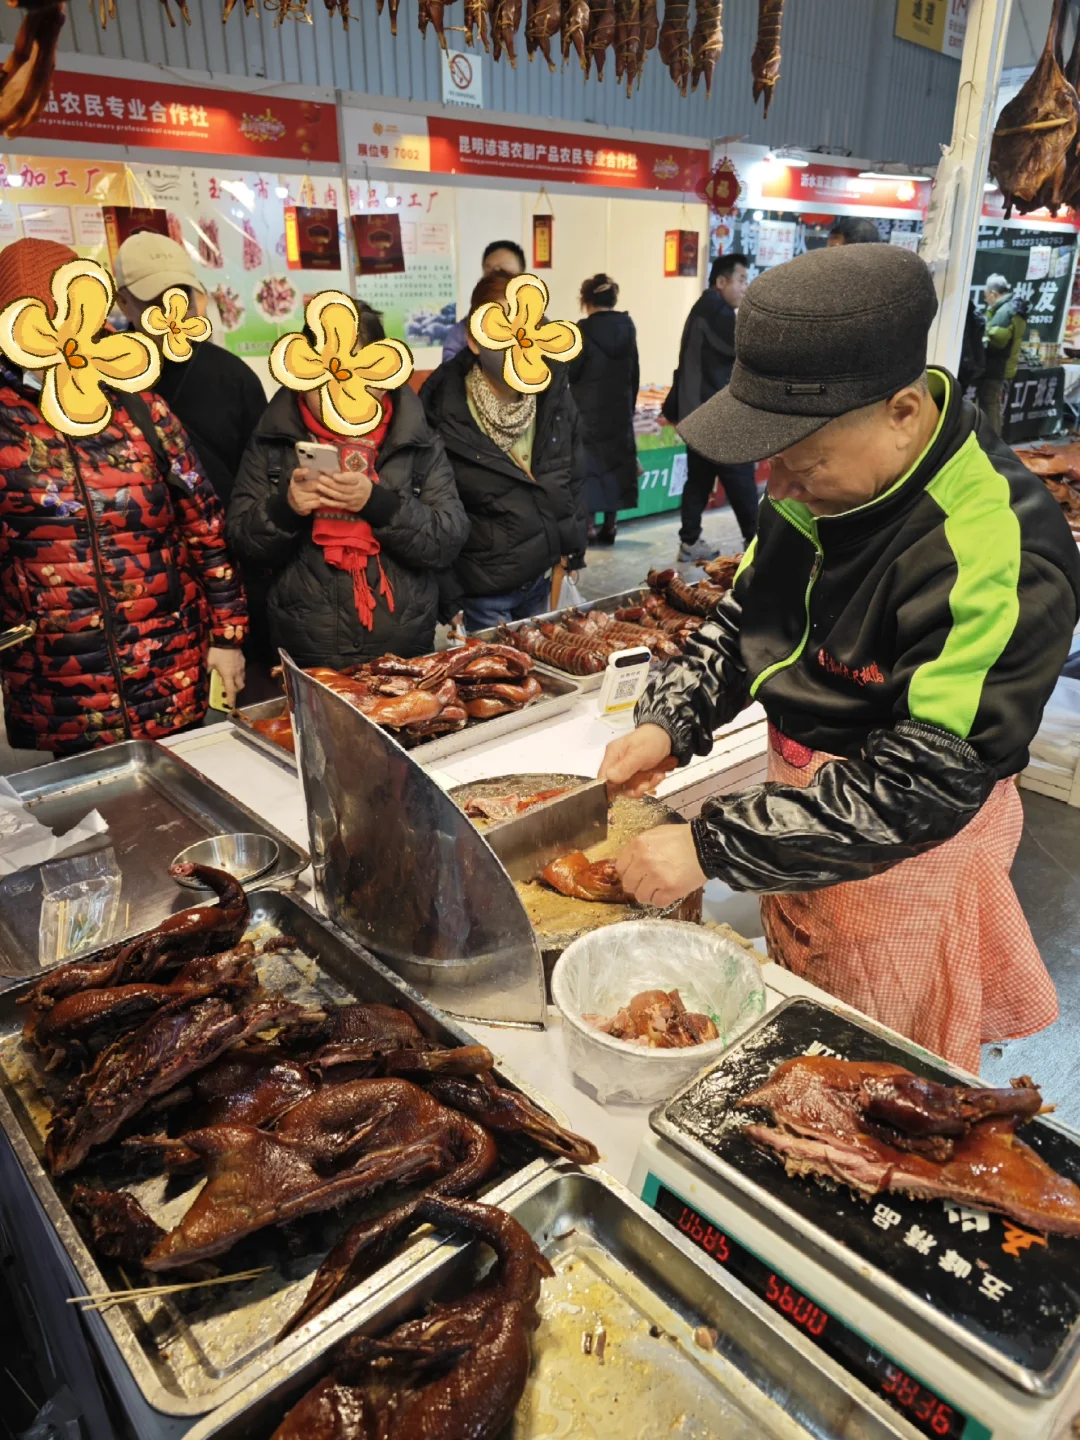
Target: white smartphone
x=318, y=459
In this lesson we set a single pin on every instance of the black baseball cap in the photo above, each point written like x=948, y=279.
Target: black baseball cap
x=827, y=333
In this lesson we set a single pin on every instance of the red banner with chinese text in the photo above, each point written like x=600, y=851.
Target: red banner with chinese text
x=114, y=111
x=466, y=147
x=825, y=185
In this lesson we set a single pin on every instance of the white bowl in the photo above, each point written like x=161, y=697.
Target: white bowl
x=602, y=971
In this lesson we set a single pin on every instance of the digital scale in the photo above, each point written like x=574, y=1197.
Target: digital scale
x=965, y=1324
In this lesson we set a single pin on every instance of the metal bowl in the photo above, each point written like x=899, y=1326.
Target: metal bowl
x=242, y=856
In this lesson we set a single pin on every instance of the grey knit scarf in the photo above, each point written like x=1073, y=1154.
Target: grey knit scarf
x=504, y=420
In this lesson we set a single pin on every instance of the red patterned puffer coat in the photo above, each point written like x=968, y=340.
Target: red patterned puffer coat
x=126, y=575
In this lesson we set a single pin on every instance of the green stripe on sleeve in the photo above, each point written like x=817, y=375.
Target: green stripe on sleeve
x=746, y=561
x=984, y=536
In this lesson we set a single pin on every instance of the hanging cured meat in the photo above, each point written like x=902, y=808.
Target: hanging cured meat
x=765, y=61
x=542, y=20
x=674, y=42
x=628, y=52
x=477, y=14
x=27, y=71
x=601, y=33
x=650, y=26
x=431, y=12
x=707, y=41
x=575, y=28
x=1035, y=136
x=505, y=23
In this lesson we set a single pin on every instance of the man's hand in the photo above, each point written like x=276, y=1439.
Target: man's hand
x=660, y=867
x=636, y=763
x=304, y=497
x=348, y=490
x=229, y=664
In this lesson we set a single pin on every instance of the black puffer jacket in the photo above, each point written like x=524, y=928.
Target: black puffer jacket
x=706, y=352
x=605, y=379
x=414, y=512
x=519, y=528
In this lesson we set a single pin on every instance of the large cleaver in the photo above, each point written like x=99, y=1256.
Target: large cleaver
x=529, y=842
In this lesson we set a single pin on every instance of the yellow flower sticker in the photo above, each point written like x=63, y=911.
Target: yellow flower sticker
x=77, y=357
x=519, y=329
x=339, y=366
x=178, y=330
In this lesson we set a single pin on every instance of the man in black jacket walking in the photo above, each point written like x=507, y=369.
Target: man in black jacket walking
x=902, y=615
x=706, y=355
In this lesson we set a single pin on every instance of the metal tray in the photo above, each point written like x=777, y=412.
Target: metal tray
x=188, y=1357
x=617, y=1267
x=155, y=805
x=560, y=693
x=609, y=603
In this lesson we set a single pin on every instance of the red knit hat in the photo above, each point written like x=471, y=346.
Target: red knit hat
x=27, y=268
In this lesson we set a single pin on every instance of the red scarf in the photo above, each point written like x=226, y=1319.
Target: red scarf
x=347, y=541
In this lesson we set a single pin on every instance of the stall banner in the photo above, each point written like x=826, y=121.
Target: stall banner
x=61, y=200
x=418, y=304
x=1035, y=405
x=822, y=185
x=936, y=24
x=1006, y=250
x=110, y=110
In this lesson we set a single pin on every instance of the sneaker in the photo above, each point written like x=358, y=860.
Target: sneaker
x=697, y=551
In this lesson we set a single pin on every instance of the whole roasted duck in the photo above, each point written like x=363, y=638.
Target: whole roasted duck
x=707, y=42
x=542, y=21
x=27, y=72
x=575, y=28
x=674, y=42
x=202, y=930
x=601, y=34
x=877, y=1127
x=1035, y=136
x=457, y=1372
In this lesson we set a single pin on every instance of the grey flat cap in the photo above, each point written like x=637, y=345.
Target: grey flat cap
x=832, y=331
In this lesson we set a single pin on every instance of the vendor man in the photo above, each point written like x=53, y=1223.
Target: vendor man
x=902, y=616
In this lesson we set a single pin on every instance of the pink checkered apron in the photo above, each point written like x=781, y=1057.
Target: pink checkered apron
x=937, y=947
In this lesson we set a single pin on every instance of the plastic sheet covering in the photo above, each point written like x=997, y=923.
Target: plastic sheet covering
x=24, y=841
x=604, y=970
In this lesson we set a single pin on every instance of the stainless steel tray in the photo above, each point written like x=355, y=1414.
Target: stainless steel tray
x=155, y=805
x=609, y=603
x=618, y=1267
x=189, y=1357
x=560, y=693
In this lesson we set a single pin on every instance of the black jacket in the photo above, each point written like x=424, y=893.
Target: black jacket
x=414, y=512
x=605, y=379
x=707, y=351
x=518, y=528
x=219, y=400
x=918, y=636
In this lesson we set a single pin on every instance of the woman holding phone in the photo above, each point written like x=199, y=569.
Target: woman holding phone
x=349, y=534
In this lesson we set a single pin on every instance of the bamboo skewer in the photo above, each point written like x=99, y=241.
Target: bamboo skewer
x=153, y=1292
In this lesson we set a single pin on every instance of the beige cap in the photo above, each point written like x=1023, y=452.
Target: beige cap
x=148, y=264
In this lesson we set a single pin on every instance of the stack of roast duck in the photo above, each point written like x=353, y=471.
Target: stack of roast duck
x=1059, y=466
x=1035, y=152
x=164, y=1053
x=429, y=695
x=581, y=643
x=630, y=28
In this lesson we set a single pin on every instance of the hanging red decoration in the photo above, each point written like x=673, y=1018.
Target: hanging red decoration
x=722, y=189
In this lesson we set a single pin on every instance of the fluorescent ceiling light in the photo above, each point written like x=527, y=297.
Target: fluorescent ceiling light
x=881, y=175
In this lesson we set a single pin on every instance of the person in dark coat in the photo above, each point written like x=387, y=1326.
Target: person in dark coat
x=518, y=466
x=706, y=355
x=398, y=480
x=605, y=379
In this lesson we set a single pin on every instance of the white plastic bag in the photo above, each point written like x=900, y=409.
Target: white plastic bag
x=570, y=597
x=602, y=971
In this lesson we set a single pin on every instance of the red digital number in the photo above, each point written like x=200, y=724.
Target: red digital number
x=924, y=1406
x=687, y=1218
x=818, y=1322
x=941, y=1424
x=892, y=1379
x=772, y=1290
x=709, y=1238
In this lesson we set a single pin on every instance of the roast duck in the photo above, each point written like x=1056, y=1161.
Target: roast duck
x=878, y=1127
x=581, y=643
x=429, y=695
x=1059, y=466
x=1033, y=154
x=174, y=1058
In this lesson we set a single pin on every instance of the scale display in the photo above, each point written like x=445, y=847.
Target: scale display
x=927, y=1411
x=1014, y=1291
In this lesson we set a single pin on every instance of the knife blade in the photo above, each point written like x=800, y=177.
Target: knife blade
x=529, y=842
